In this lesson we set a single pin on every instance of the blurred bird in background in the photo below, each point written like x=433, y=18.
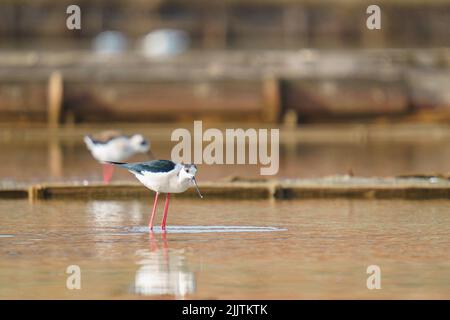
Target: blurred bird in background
x=116, y=147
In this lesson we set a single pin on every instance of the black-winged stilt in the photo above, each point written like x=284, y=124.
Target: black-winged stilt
x=115, y=146
x=163, y=176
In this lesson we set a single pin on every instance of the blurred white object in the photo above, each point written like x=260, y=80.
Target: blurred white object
x=110, y=42
x=164, y=43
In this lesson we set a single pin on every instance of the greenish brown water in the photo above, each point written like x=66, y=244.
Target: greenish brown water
x=225, y=249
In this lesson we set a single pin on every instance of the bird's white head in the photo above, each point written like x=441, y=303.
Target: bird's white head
x=139, y=143
x=187, y=174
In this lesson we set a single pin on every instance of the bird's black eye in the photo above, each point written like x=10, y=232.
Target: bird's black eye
x=143, y=143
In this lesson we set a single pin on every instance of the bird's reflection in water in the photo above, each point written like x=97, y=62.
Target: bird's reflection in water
x=105, y=213
x=106, y=217
x=163, y=271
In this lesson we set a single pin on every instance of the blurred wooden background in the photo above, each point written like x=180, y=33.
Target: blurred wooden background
x=253, y=60
x=251, y=24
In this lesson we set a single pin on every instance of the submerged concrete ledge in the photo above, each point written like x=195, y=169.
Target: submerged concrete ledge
x=13, y=193
x=330, y=187
x=234, y=190
x=433, y=187
x=364, y=192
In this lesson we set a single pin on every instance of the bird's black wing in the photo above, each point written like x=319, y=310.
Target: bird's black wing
x=149, y=166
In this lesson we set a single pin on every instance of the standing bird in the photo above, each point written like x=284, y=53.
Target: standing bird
x=162, y=176
x=114, y=146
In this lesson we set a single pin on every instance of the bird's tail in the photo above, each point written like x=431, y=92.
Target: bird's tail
x=89, y=142
x=121, y=164
x=124, y=165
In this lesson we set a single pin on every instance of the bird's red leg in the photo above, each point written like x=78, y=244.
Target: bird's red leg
x=152, y=217
x=108, y=170
x=166, y=208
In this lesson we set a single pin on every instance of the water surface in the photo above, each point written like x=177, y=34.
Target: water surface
x=225, y=249
x=37, y=161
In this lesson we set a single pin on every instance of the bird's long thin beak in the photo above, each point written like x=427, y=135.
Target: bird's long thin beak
x=196, y=187
x=150, y=154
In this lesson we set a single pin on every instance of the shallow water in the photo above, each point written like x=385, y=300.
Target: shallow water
x=39, y=161
x=225, y=249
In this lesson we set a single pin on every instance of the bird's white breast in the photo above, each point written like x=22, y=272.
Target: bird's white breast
x=165, y=182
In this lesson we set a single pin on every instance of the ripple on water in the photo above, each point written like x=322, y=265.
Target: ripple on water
x=205, y=229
